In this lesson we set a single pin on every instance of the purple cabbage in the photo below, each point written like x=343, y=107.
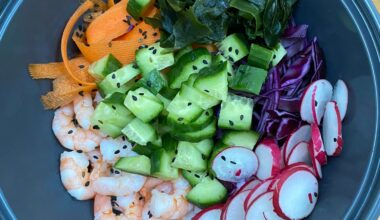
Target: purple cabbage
x=277, y=112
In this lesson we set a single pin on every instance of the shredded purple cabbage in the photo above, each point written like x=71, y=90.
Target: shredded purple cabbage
x=277, y=110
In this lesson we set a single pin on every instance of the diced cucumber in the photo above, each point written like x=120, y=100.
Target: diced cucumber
x=194, y=177
x=190, y=63
x=161, y=165
x=182, y=52
x=137, y=164
x=279, y=53
x=213, y=81
x=137, y=8
x=139, y=132
x=230, y=69
x=234, y=47
x=189, y=158
x=163, y=100
x=246, y=139
x=205, y=146
x=104, y=66
x=154, y=57
x=154, y=81
x=169, y=143
x=201, y=122
x=169, y=93
x=236, y=113
x=207, y=193
x=249, y=79
x=106, y=89
x=205, y=133
x=190, y=82
x=142, y=106
x=111, y=117
x=157, y=142
x=185, y=110
x=260, y=57
x=146, y=93
x=200, y=98
x=146, y=150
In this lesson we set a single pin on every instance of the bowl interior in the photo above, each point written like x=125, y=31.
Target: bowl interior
x=29, y=156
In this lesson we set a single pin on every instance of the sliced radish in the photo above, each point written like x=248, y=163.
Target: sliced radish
x=234, y=208
x=301, y=134
x=259, y=189
x=301, y=165
x=262, y=208
x=332, y=130
x=340, y=96
x=316, y=165
x=283, y=161
x=314, y=101
x=274, y=183
x=296, y=194
x=235, y=164
x=211, y=213
x=300, y=153
x=269, y=156
x=319, y=149
x=249, y=185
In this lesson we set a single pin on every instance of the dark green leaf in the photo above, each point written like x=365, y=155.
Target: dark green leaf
x=179, y=5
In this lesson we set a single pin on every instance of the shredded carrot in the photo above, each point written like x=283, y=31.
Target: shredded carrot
x=65, y=36
x=123, y=48
x=100, y=5
x=110, y=3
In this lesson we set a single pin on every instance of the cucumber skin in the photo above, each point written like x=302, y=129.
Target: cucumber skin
x=142, y=162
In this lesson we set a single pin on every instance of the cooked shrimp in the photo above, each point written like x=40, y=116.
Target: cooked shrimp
x=118, y=208
x=168, y=201
x=83, y=110
x=98, y=166
x=148, y=186
x=75, y=176
x=71, y=136
x=113, y=149
x=119, y=184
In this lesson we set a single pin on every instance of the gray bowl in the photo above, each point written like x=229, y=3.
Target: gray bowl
x=30, y=32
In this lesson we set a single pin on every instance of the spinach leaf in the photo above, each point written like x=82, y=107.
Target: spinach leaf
x=179, y=5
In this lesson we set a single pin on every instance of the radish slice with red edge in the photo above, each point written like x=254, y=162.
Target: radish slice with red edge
x=262, y=208
x=249, y=185
x=296, y=194
x=259, y=189
x=274, y=183
x=211, y=213
x=332, y=130
x=319, y=149
x=234, y=208
x=316, y=165
x=314, y=101
x=300, y=153
x=301, y=134
x=269, y=156
x=301, y=165
x=235, y=164
x=340, y=96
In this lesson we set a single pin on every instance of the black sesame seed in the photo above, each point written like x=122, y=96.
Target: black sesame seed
x=230, y=49
x=229, y=74
x=123, y=137
x=81, y=66
x=100, y=121
x=241, y=117
x=125, y=147
x=155, y=34
x=145, y=37
x=117, y=172
x=154, y=51
x=149, y=83
x=150, y=214
x=83, y=174
x=113, y=76
x=141, y=198
x=112, y=170
x=144, y=33
x=140, y=31
x=151, y=48
x=95, y=127
x=315, y=103
x=233, y=162
x=81, y=93
x=197, y=176
x=335, y=140
x=206, y=90
x=180, y=119
x=231, y=59
x=231, y=123
x=80, y=84
x=134, y=98
x=189, y=104
x=118, y=85
x=223, y=158
x=79, y=151
x=141, y=93
x=173, y=160
x=94, y=90
x=95, y=157
x=110, y=44
x=274, y=56
x=135, y=66
x=87, y=183
x=117, y=212
x=117, y=151
x=204, y=157
x=237, y=52
x=316, y=194
x=207, y=113
x=86, y=44
x=195, y=67
x=113, y=107
x=205, y=62
x=176, y=151
x=70, y=132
